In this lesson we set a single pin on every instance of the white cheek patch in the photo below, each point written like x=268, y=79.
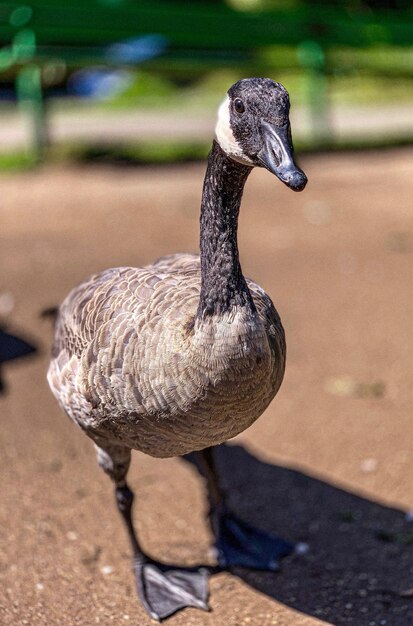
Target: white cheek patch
x=225, y=136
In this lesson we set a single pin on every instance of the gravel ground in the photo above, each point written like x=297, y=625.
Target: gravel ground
x=329, y=463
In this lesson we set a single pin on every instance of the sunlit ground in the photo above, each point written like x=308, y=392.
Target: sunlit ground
x=336, y=260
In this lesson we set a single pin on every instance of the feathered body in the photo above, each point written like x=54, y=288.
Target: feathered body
x=186, y=353
x=133, y=365
x=176, y=356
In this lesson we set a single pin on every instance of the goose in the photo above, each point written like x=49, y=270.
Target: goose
x=184, y=354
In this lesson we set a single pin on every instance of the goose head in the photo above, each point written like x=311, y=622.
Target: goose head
x=253, y=128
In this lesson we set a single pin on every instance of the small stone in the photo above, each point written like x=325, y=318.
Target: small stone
x=106, y=570
x=368, y=465
x=39, y=586
x=180, y=523
x=301, y=548
x=343, y=386
x=407, y=593
x=6, y=303
x=71, y=535
x=55, y=465
x=376, y=389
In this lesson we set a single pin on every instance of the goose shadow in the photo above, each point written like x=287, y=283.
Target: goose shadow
x=12, y=347
x=359, y=566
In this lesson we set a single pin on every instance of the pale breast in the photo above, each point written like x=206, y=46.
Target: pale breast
x=146, y=376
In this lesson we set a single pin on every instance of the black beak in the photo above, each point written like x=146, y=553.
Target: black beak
x=277, y=156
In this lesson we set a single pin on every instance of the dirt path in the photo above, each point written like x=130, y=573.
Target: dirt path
x=330, y=463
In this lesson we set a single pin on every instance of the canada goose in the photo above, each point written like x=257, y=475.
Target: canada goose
x=186, y=353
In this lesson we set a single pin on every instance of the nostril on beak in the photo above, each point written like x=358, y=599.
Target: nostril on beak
x=297, y=180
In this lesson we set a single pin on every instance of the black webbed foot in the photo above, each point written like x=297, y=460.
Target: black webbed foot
x=239, y=544
x=165, y=589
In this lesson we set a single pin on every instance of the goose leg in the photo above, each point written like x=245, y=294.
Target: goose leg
x=238, y=543
x=163, y=589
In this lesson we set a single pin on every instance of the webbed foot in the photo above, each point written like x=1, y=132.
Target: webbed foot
x=240, y=544
x=165, y=589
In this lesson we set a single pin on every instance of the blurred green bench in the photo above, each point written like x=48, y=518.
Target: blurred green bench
x=78, y=33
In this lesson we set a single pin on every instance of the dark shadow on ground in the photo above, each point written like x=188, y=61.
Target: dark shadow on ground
x=359, y=567
x=12, y=347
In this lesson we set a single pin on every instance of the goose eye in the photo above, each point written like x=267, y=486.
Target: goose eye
x=239, y=105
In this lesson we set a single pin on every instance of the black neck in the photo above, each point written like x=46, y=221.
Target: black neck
x=222, y=284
